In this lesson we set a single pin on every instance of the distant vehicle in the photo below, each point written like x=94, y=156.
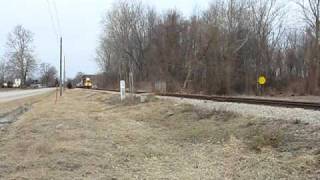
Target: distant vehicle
x=79, y=85
x=35, y=86
x=4, y=85
x=8, y=84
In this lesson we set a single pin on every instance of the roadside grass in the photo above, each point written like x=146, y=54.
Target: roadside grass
x=263, y=137
x=12, y=105
x=130, y=100
x=199, y=126
x=186, y=123
x=256, y=137
x=90, y=135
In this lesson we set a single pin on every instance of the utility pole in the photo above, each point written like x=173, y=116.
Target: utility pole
x=60, y=66
x=64, y=73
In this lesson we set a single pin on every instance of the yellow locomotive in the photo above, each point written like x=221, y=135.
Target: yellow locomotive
x=86, y=82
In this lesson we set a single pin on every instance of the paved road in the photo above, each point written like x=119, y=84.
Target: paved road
x=19, y=94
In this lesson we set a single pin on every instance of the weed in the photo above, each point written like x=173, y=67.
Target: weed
x=266, y=137
x=297, y=121
x=204, y=114
x=43, y=148
x=151, y=98
x=249, y=124
x=200, y=134
x=186, y=108
x=131, y=101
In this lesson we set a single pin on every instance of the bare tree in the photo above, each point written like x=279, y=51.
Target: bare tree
x=103, y=55
x=311, y=14
x=78, y=78
x=3, y=72
x=48, y=74
x=221, y=50
x=20, y=53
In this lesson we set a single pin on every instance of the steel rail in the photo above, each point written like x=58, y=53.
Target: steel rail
x=233, y=99
x=245, y=100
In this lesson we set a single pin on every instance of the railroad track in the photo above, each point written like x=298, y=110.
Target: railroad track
x=257, y=101
x=117, y=90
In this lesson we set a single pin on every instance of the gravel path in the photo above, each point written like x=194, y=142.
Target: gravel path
x=308, y=116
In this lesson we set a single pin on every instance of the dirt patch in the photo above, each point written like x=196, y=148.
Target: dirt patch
x=91, y=135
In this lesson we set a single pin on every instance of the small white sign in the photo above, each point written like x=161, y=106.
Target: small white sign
x=122, y=90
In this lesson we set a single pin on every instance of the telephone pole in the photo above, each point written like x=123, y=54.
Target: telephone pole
x=60, y=66
x=64, y=73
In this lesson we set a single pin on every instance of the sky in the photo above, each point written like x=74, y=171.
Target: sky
x=80, y=24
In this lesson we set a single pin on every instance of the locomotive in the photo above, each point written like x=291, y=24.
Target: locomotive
x=86, y=82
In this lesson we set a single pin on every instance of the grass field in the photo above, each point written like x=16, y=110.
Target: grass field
x=91, y=135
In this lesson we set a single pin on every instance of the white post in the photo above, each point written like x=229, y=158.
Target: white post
x=122, y=90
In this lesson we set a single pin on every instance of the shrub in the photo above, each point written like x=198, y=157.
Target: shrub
x=69, y=85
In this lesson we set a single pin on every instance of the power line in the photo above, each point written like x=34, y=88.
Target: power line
x=62, y=62
x=56, y=21
x=52, y=20
x=57, y=16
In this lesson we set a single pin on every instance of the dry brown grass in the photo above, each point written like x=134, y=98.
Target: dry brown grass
x=90, y=135
x=12, y=105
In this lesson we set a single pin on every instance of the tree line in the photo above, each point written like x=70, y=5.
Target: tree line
x=19, y=61
x=220, y=50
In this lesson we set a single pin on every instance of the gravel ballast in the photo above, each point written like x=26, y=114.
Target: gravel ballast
x=307, y=116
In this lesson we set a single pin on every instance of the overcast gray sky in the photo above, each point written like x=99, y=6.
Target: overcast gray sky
x=80, y=26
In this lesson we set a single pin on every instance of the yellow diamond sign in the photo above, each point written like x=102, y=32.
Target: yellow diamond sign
x=262, y=80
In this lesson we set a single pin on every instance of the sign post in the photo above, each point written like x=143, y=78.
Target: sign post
x=262, y=80
x=122, y=90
